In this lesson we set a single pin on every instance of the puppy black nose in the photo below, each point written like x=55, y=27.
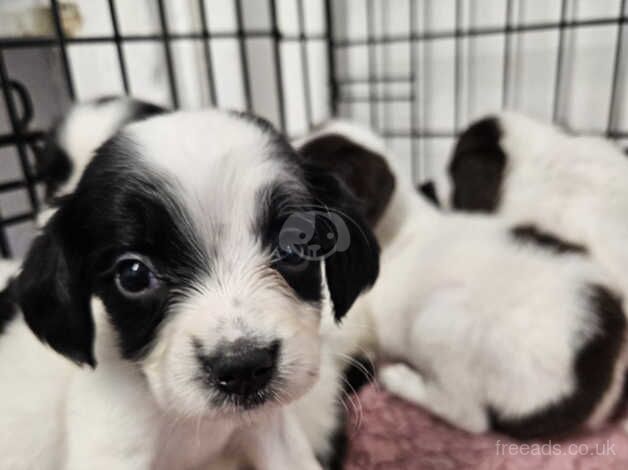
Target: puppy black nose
x=244, y=370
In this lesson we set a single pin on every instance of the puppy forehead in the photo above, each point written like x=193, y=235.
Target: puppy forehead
x=209, y=152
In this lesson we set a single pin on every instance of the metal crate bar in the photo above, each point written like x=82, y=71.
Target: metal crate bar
x=457, y=64
x=61, y=41
x=558, y=76
x=331, y=58
x=118, y=40
x=305, y=66
x=471, y=32
x=376, y=99
x=13, y=43
x=28, y=136
x=358, y=81
x=207, y=52
x=617, y=64
x=414, y=116
x=244, y=62
x=276, y=35
x=372, y=65
x=172, y=83
x=16, y=128
x=506, y=55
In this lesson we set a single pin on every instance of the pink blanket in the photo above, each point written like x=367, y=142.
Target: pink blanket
x=391, y=434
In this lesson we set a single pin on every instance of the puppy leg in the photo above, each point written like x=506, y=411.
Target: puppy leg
x=111, y=421
x=406, y=383
x=279, y=443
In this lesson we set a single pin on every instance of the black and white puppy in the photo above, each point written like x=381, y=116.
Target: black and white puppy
x=71, y=142
x=192, y=268
x=537, y=175
x=494, y=326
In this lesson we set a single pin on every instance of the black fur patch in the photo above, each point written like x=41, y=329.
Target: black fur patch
x=366, y=173
x=594, y=365
x=354, y=269
x=119, y=206
x=357, y=374
x=54, y=166
x=339, y=445
x=529, y=233
x=280, y=203
x=336, y=170
x=428, y=191
x=477, y=167
x=142, y=110
x=8, y=308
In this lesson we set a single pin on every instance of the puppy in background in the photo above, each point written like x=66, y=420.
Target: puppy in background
x=188, y=273
x=70, y=144
x=536, y=175
x=500, y=328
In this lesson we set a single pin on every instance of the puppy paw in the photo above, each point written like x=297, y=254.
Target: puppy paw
x=401, y=380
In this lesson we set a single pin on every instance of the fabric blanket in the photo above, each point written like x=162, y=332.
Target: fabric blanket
x=388, y=433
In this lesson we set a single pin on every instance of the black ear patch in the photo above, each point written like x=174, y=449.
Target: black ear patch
x=353, y=267
x=52, y=294
x=477, y=167
x=428, y=191
x=365, y=172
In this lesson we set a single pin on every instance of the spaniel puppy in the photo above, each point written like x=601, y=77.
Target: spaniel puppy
x=190, y=273
x=70, y=144
x=536, y=175
x=493, y=326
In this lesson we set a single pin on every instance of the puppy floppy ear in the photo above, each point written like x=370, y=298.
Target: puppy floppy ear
x=363, y=170
x=352, y=252
x=53, y=294
x=356, y=185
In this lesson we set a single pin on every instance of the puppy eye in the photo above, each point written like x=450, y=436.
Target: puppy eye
x=290, y=256
x=290, y=260
x=134, y=277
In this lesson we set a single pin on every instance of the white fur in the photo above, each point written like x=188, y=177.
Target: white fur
x=481, y=319
x=85, y=128
x=152, y=414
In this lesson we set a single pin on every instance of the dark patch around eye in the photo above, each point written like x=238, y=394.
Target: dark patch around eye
x=121, y=206
x=279, y=202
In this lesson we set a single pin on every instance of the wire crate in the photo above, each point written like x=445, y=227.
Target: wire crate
x=417, y=71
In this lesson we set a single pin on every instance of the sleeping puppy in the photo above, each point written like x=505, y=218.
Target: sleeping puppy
x=500, y=328
x=70, y=144
x=190, y=273
x=536, y=175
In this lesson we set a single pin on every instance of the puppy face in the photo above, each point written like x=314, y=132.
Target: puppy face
x=206, y=245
